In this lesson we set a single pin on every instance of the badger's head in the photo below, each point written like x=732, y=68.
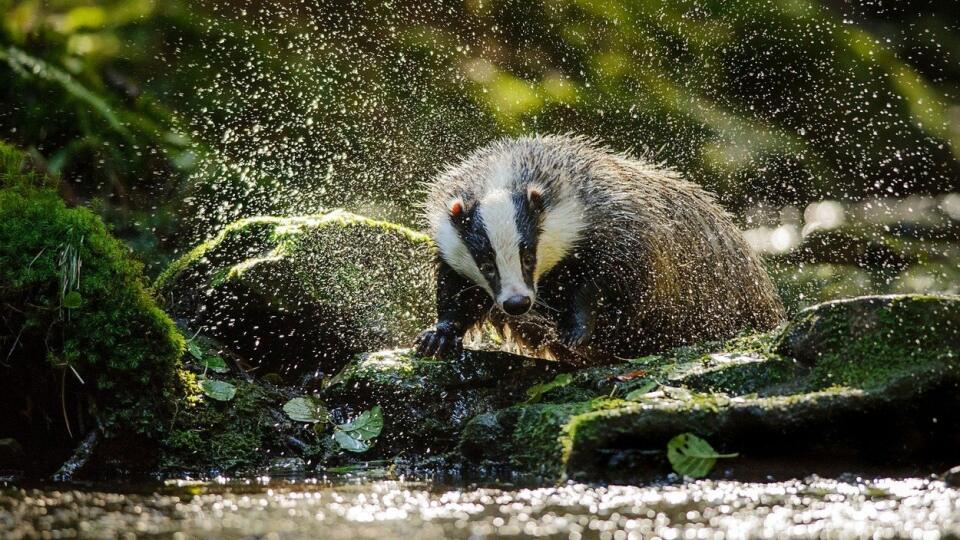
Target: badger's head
x=507, y=235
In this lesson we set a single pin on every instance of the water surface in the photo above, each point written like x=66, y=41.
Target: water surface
x=264, y=508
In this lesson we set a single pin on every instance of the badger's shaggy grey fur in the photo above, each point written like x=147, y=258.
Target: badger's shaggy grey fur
x=658, y=262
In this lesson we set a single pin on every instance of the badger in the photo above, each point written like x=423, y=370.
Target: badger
x=574, y=252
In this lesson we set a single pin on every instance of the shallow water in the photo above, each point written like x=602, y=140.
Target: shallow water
x=815, y=507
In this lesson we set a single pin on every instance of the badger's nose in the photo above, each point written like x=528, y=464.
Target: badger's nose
x=517, y=304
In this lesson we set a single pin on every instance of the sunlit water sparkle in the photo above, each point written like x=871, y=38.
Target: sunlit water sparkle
x=811, y=508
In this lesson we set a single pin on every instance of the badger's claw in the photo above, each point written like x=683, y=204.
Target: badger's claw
x=439, y=342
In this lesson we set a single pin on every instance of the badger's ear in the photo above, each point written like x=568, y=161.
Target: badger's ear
x=459, y=213
x=456, y=208
x=535, y=197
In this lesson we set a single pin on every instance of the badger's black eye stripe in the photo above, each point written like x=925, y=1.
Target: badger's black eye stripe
x=528, y=227
x=475, y=237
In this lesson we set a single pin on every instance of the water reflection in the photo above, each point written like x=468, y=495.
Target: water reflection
x=815, y=507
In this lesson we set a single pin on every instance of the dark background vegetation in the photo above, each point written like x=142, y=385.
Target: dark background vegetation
x=170, y=118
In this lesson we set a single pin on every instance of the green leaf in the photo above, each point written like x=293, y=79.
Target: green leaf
x=367, y=426
x=637, y=393
x=218, y=390
x=215, y=364
x=194, y=350
x=357, y=435
x=535, y=392
x=306, y=409
x=692, y=456
x=72, y=300
x=348, y=442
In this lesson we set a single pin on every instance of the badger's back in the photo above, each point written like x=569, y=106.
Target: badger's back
x=677, y=259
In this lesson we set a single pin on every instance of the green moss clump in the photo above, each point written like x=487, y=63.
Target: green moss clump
x=82, y=339
x=874, y=342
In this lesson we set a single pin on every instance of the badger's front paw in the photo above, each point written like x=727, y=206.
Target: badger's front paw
x=439, y=342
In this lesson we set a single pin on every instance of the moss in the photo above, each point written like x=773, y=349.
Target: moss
x=638, y=432
x=528, y=437
x=426, y=403
x=740, y=373
x=873, y=342
x=214, y=437
x=345, y=282
x=112, y=358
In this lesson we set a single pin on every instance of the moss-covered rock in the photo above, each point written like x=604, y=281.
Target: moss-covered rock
x=870, y=381
x=869, y=341
x=83, y=342
x=427, y=402
x=873, y=377
x=305, y=293
x=873, y=342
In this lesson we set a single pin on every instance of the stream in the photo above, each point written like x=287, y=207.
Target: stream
x=815, y=507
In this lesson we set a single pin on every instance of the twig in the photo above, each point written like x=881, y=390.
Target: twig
x=15, y=342
x=63, y=401
x=37, y=257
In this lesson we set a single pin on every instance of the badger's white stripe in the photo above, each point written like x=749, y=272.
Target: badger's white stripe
x=456, y=254
x=561, y=228
x=499, y=217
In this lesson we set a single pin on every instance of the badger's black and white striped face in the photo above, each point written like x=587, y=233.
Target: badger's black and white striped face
x=505, y=239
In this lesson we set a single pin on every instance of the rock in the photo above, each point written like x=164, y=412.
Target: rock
x=873, y=341
x=804, y=285
x=866, y=381
x=287, y=467
x=98, y=353
x=302, y=294
x=952, y=477
x=862, y=248
x=908, y=250
x=427, y=402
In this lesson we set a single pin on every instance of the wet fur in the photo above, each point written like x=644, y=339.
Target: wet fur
x=635, y=259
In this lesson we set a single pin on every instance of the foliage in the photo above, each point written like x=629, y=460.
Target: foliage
x=218, y=390
x=692, y=456
x=77, y=325
x=72, y=84
x=213, y=437
x=781, y=101
x=306, y=409
x=638, y=393
x=215, y=363
x=358, y=434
